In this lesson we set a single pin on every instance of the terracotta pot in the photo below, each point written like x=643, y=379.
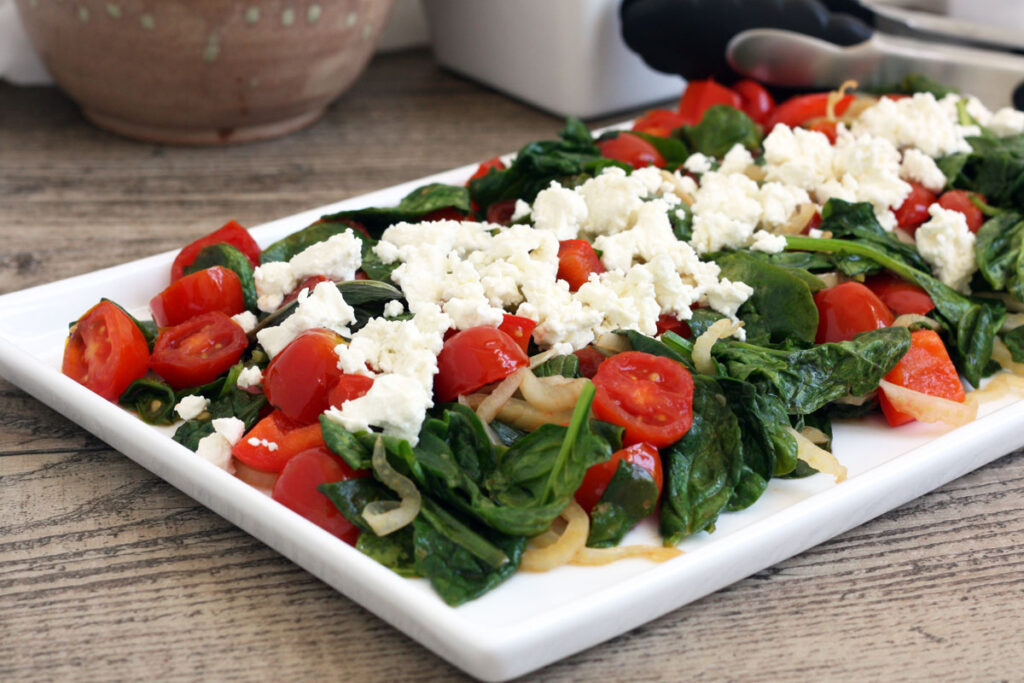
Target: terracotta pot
x=204, y=71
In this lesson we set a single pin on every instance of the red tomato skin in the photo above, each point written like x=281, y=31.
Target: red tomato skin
x=848, y=309
x=927, y=368
x=519, y=328
x=576, y=261
x=484, y=168
x=755, y=101
x=289, y=439
x=827, y=128
x=197, y=351
x=296, y=489
x=472, y=358
x=660, y=122
x=231, y=233
x=960, y=200
x=801, y=109
x=899, y=295
x=349, y=387
x=670, y=323
x=914, y=209
x=501, y=212
x=105, y=351
x=598, y=476
x=299, y=379
x=631, y=149
x=309, y=283
x=812, y=224
x=212, y=289
x=590, y=360
x=700, y=96
x=649, y=396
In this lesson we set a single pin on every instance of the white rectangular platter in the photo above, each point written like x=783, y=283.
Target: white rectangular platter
x=533, y=619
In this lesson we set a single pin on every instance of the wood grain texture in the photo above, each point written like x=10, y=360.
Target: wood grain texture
x=107, y=573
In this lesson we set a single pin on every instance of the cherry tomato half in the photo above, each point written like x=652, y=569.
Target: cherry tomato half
x=501, y=212
x=299, y=379
x=576, y=261
x=927, y=368
x=198, y=350
x=483, y=169
x=105, y=351
x=519, y=328
x=899, y=295
x=848, y=309
x=700, y=96
x=596, y=480
x=232, y=233
x=801, y=109
x=296, y=489
x=309, y=283
x=670, y=323
x=275, y=440
x=631, y=149
x=914, y=209
x=755, y=101
x=590, y=360
x=649, y=396
x=960, y=200
x=472, y=358
x=660, y=122
x=349, y=387
x=211, y=289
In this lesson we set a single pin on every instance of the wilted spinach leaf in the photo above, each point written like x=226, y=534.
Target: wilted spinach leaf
x=230, y=257
x=631, y=496
x=857, y=222
x=721, y=128
x=152, y=399
x=413, y=207
x=999, y=253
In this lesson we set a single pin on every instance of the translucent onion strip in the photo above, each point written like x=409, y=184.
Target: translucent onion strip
x=856, y=400
x=541, y=357
x=828, y=279
x=489, y=407
x=491, y=435
x=998, y=387
x=799, y=220
x=388, y=516
x=611, y=343
x=552, y=394
x=835, y=97
x=591, y=557
x=1001, y=354
x=814, y=435
x=1012, y=322
x=536, y=559
x=817, y=457
x=721, y=329
x=927, y=408
x=677, y=186
x=522, y=415
x=911, y=319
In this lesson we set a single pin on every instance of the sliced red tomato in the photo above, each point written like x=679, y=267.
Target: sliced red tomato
x=827, y=128
x=519, y=328
x=812, y=224
x=598, y=476
x=670, y=323
x=590, y=360
x=472, y=358
x=755, y=101
x=198, y=351
x=914, y=209
x=501, y=212
x=651, y=397
x=232, y=233
x=296, y=489
x=848, y=309
x=105, y=351
x=900, y=296
x=299, y=379
x=349, y=387
x=801, y=109
x=275, y=440
x=576, y=261
x=927, y=368
x=960, y=200
x=211, y=289
x=660, y=122
x=483, y=169
x=700, y=96
x=309, y=283
x=631, y=149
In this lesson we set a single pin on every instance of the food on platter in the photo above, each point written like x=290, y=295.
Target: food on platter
x=512, y=373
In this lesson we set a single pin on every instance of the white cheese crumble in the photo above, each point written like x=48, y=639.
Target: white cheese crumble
x=216, y=447
x=559, y=210
x=256, y=443
x=918, y=121
x=921, y=168
x=736, y=160
x=323, y=307
x=698, y=163
x=249, y=377
x=190, y=407
x=246, y=320
x=336, y=258
x=394, y=308
x=947, y=244
x=395, y=404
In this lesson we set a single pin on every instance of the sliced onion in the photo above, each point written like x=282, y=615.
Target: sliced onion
x=799, y=220
x=721, y=329
x=258, y=479
x=541, y=357
x=490, y=406
x=814, y=435
x=591, y=557
x=491, y=435
x=1001, y=354
x=999, y=386
x=677, y=186
x=565, y=548
x=1012, y=322
x=817, y=457
x=551, y=394
x=911, y=319
x=927, y=408
x=388, y=516
x=1012, y=304
x=835, y=97
x=903, y=236
x=828, y=279
x=754, y=172
x=856, y=400
x=610, y=343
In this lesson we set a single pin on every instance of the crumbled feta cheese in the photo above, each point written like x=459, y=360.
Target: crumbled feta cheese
x=231, y=428
x=736, y=160
x=947, y=244
x=274, y=281
x=625, y=301
x=797, y=157
x=396, y=404
x=336, y=258
x=725, y=212
x=560, y=211
x=612, y=200
x=727, y=296
x=698, y=163
x=917, y=121
x=324, y=307
x=402, y=347
x=246, y=320
x=768, y=242
x=778, y=204
x=215, y=448
x=190, y=407
x=921, y=168
x=1006, y=121
x=394, y=308
x=249, y=377
x=521, y=212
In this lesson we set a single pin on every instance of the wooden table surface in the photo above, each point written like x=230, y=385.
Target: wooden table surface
x=108, y=573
